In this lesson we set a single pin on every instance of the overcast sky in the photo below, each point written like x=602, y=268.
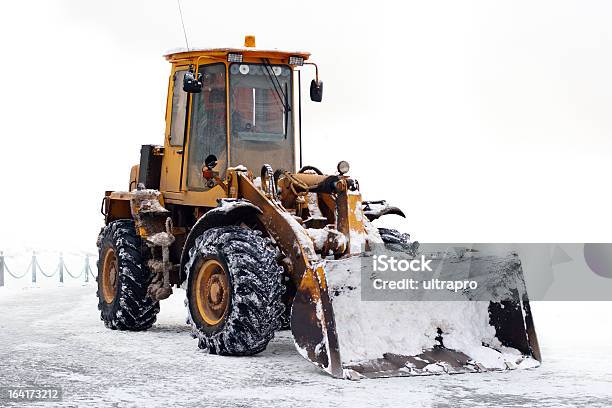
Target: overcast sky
x=483, y=120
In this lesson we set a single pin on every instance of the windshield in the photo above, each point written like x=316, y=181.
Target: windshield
x=261, y=116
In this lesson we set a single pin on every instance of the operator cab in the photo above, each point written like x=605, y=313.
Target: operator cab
x=240, y=105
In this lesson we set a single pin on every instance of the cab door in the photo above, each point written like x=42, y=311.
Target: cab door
x=175, y=134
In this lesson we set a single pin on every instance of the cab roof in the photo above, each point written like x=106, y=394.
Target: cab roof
x=186, y=54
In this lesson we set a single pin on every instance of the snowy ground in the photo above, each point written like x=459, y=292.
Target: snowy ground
x=53, y=336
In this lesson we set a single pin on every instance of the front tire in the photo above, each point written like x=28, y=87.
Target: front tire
x=234, y=291
x=123, y=279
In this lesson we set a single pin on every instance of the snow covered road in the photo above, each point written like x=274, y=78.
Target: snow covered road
x=53, y=336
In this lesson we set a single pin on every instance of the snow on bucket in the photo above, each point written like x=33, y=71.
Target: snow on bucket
x=383, y=338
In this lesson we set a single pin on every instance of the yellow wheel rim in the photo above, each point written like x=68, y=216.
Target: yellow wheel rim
x=110, y=273
x=211, y=292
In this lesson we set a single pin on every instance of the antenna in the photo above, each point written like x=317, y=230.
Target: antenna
x=183, y=23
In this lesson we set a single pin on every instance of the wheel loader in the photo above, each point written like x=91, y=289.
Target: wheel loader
x=226, y=210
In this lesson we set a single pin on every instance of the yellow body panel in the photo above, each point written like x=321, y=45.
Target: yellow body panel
x=196, y=198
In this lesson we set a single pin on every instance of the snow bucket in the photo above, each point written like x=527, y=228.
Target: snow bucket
x=350, y=333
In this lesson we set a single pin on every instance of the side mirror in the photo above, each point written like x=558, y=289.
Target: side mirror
x=191, y=84
x=210, y=162
x=316, y=91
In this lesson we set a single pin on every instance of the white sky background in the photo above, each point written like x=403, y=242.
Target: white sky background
x=486, y=121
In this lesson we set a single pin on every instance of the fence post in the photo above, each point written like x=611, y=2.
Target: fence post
x=1, y=269
x=33, y=266
x=61, y=268
x=86, y=269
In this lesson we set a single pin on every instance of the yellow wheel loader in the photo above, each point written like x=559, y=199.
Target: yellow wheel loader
x=226, y=210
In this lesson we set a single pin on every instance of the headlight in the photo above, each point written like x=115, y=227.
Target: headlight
x=343, y=167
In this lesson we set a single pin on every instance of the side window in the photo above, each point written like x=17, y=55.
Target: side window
x=179, y=110
x=208, y=133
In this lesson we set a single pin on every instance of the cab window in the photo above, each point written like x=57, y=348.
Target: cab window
x=179, y=110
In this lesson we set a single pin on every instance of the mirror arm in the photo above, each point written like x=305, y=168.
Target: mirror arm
x=316, y=69
x=197, y=62
x=195, y=76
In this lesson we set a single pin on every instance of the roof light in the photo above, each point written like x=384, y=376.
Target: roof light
x=249, y=41
x=296, y=60
x=234, y=57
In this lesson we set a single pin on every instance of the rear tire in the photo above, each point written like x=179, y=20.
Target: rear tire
x=123, y=279
x=250, y=298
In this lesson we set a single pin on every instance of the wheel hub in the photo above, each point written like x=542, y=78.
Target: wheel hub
x=211, y=292
x=109, y=276
x=216, y=292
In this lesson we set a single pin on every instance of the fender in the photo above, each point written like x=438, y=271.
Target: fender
x=230, y=211
x=144, y=206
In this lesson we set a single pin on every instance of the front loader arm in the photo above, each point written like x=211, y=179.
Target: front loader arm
x=282, y=227
x=312, y=318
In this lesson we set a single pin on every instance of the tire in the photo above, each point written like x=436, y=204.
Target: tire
x=397, y=241
x=252, y=295
x=124, y=305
